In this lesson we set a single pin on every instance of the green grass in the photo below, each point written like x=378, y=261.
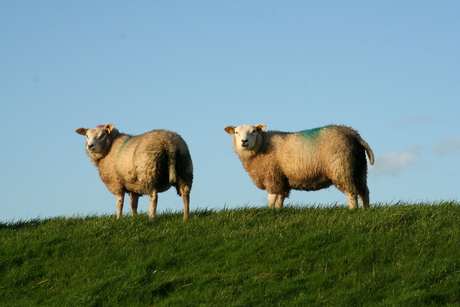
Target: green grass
x=389, y=255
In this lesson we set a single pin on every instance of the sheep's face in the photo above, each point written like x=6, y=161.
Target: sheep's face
x=245, y=135
x=97, y=138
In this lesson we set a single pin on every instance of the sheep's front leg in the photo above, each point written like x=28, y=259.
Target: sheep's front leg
x=134, y=202
x=275, y=200
x=279, y=201
x=271, y=200
x=153, y=197
x=120, y=200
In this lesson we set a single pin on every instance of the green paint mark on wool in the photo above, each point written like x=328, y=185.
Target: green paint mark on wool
x=311, y=133
x=124, y=143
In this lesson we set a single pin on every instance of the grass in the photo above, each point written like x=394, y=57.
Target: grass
x=398, y=255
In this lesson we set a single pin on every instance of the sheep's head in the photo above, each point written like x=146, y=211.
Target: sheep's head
x=245, y=135
x=97, y=139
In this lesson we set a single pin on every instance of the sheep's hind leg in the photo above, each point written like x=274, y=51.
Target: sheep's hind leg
x=364, y=196
x=184, y=191
x=352, y=201
x=153, y=197
x=120, y=200
x=186, y=200
x=134, y=202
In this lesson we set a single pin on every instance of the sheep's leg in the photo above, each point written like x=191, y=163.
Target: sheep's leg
x=352, y=201
x=134, y=202
x=186, y=200
x=184, y=191
x=364, y=197
x=279, y=201
x=275, y=200
x=272, y=200
x=120, y=200
x=153, y=205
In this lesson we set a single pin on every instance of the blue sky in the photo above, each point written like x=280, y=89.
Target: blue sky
x=390, y=69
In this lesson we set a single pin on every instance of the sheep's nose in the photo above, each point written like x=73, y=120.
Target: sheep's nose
x=90, y=146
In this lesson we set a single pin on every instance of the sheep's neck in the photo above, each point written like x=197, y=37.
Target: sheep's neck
x=95, y=158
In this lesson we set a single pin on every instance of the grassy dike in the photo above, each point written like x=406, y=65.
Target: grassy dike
x=390, y=255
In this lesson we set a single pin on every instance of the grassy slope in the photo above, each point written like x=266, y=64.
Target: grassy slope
x=401, y=255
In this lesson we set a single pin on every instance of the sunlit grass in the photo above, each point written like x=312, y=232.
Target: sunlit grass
x=390, y=255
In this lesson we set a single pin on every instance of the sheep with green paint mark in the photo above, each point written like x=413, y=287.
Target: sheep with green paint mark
x=308, y=160
x=149, y=164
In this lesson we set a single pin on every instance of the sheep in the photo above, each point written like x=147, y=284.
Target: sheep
x=307, y=160
x=149, y=164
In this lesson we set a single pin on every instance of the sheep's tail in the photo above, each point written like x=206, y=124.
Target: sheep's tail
x=368, y=149
x=172, y=166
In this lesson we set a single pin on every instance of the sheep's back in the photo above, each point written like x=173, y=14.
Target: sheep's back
x=142, y=160
x=310, y=154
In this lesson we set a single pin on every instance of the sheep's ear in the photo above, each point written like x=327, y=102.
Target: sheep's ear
x=109, y=128
x=260, y=127
x=81, y=131
x=230, y=130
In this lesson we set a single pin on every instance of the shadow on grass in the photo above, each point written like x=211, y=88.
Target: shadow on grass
x=23, y=224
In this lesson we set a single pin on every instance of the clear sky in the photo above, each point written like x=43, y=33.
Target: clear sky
x=390, y=69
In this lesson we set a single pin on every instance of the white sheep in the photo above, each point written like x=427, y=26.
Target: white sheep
x=149, y=164
x=308, y=160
